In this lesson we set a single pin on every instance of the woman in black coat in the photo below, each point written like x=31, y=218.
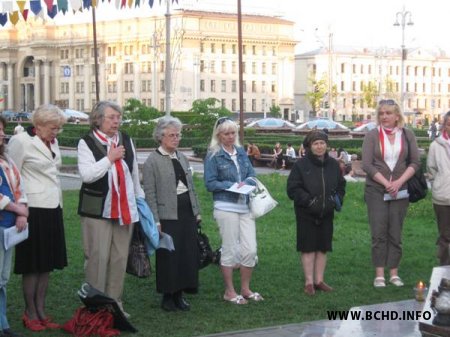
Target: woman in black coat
x=317, y=188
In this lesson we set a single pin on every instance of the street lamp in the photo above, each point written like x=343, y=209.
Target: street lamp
x=403, y=19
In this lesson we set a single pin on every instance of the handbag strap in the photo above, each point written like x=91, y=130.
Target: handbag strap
x=258, y=183
x=408, y=157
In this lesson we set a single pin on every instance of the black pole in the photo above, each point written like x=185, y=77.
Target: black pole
x=94, y=29
x=241, y=91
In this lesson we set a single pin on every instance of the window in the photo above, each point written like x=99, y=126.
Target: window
x=129, y=68
x=253, y=86
x=244, y=105
x=64, y=88
x=93, y=87
x=244, y=49
x=79, y=53
x=254, y=50
x=128, y=50
x=146, y=85
x=253, y=67
x=253, y=105
x=111, y=51
x=233, y=67
x=79, y=87
x=354, y=69
x=342, y=86
x=224, y=86
x=264, y=51
x=263, y=87
x=147, y=102
x=93, y=54
x=264, y=68
x=233, y=86
x=244, y=86
x=212, y=67
x=146, y=49
x=224, y=48
x=202, y=47
x=244, y=68
x=129, y=86
x=146, y=67
x=223, y=102
x=80, y=104
x=274, y=51
x=111, y=69
x=112, y=87
x=202, y=85
x=162, y=68
x=233, y=49
x=213, y=85
x=274, y=68
x=64, y=54
x=213, y=48
x=224, y=67
x=233, y=104
x=354, y=86
x=342, y=68
x=369, y=69
x=162, y=85
x=274, y=87
x=79, y=70
x=202, y=66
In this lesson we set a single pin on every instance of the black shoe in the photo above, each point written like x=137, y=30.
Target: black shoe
x=182, y=304
x=168, y=303
x=10, y=333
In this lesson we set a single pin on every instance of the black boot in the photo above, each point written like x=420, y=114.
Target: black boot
x=168, y=303
x=180, y=301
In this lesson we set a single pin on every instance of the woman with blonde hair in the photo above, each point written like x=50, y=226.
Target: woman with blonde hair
x=226, y=164
x=389, y=157
x=37, y=156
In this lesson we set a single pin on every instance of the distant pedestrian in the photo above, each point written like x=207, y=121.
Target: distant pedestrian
x=253, y=152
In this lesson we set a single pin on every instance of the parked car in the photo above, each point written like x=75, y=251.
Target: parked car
x=23, y=115
x=9, y=115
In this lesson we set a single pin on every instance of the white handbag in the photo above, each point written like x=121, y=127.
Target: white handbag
x=261, y=202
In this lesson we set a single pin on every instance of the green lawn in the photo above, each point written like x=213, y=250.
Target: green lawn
x=278, y=276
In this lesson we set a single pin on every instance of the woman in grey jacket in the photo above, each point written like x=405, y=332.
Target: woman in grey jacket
x=384, y=157
x=169, y=191
x=438, y=164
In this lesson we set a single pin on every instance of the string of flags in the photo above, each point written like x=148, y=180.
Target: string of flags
x=14, y=10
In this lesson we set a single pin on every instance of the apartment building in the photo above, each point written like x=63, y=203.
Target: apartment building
x=48, y=63
x=427, y=81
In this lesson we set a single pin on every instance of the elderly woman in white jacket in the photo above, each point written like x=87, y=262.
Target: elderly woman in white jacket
x=438, y=164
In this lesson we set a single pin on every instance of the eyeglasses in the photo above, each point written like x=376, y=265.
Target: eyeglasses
x=387, y=102
x=222, y=120
x=173, y=135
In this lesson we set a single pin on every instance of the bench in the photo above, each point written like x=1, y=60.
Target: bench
x=266, y=160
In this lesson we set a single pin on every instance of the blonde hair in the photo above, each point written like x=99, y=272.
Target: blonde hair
x=393, y=107
x=48, y=113
x=223, y=124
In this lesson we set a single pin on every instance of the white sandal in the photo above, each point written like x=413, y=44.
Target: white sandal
x=379, y=282
x=396, y=281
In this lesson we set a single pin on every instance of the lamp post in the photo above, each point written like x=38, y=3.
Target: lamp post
x=403, y=19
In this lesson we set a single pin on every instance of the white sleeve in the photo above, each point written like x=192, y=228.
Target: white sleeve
x=90, y=170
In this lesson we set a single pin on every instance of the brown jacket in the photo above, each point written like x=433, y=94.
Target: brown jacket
x=372, y=162
x=253, y=151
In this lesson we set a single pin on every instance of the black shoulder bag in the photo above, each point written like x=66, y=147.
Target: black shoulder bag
x=417, y=184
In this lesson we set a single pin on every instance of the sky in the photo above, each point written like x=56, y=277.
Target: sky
x=360, y=23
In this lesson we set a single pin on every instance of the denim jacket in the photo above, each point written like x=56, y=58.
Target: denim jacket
x=220, y=173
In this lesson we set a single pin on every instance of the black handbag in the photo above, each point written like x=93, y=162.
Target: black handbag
x=138, y=263
x=417, y=184
x=95, y=300
x=205, y=253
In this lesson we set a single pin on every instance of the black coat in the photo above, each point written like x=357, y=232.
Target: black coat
x=312, y=185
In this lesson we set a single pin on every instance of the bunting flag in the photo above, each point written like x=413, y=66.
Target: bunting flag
x=15, y=10
x=49, y=4
x=25, y=14
x=52, y=13
x=14, y=17
x=63, y=6
x=35, y=6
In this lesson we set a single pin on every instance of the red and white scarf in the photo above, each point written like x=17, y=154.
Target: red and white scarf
x=119, y=204
x=390, y=152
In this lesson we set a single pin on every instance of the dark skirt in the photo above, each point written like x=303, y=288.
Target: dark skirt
x=178, y=270
x=45, y=248
x=314, y=235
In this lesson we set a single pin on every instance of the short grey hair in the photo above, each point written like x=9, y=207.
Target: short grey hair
x=98, y=113
x=48, y=113
x=163, y=124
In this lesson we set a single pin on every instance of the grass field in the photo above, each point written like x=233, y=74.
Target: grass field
x=278, y=276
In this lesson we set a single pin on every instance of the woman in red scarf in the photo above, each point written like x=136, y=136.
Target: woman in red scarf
x=385, y=160
x=107, y=206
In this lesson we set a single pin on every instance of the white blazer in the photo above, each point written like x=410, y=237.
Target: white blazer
x=38, y=168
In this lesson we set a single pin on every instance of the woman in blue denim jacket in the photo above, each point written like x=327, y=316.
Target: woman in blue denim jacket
x=227, y=163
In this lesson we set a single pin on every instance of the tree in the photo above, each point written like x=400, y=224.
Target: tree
x=207, y=111
x=136, y=112
x=275, y=111
x=370, y=94
x=316, y=96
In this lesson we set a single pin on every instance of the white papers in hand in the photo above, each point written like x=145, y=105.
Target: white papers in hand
x=12, y=237
x=403, y=194
x=166, y=242
x=244, y=189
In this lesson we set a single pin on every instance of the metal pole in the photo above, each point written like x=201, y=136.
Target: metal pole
x=241, y=91
x=94, y=29
x=168, y=76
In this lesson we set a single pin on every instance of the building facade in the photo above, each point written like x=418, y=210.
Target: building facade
x=361, y=77
x=48, y=63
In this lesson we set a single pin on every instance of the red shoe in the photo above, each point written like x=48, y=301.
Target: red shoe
x=32, y=324
x=47, y=322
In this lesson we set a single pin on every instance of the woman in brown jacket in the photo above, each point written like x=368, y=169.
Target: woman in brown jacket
x=385, y=160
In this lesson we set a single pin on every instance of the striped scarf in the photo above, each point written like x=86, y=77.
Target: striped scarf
x=118, y=202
